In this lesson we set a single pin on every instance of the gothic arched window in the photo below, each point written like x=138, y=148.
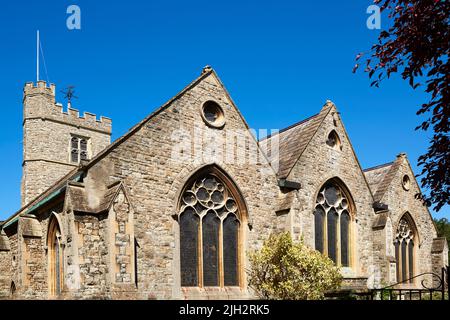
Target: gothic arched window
x=55, y=258
x=404, y=249
x=210, y=226
x=332, y=221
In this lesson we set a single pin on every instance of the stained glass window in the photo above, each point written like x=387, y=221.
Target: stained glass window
x=319, y=221
x=404, y=249
x=230, y=250
x=210, y=227
x=332, y=210
x=411, y=259
x=189, y=224
x=332, y=236
x=345, y=224
x=209, y=207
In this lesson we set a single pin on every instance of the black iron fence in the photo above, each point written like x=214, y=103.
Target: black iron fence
x=438, y=290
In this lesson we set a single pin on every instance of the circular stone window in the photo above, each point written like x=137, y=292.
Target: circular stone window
x=213, y=114
x=406, y=182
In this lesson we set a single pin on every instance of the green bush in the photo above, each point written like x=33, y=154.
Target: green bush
x=284, y=270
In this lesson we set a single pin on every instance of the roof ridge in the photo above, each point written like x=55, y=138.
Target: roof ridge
x=379, y=166
x=292, y=126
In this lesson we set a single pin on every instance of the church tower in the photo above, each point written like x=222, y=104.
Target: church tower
x=55, y=141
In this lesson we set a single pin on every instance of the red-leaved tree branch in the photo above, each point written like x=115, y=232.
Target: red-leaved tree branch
x=417, y=46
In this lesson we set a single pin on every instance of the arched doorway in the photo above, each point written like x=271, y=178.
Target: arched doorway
x=55, y=258
x=211, y=213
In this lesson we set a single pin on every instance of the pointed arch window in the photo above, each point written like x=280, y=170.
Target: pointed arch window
x=55, y=258
x=404, y=249
x=334, y=141
x=332, y=221
x=210, y=230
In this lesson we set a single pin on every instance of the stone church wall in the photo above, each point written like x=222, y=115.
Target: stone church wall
x=401, y=201
x=154, y=179
x=316, y=166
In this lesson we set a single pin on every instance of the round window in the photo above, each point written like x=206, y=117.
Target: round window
x=213, y=114
x=406, y=182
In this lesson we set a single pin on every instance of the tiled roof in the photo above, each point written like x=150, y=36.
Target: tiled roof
x=292, y=142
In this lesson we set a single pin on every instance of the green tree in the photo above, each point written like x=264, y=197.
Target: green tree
x=285, y=270
x=443, y=228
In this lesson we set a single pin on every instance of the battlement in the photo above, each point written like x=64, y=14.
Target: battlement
x=39, y=102
x=40, y=88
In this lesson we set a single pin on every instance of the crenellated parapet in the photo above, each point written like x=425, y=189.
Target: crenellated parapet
x=40, y=103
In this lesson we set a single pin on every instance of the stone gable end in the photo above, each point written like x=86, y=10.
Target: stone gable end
x=319, y=163
x=144, y=161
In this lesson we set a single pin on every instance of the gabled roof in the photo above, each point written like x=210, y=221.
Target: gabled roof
x=380, y=178
x=293, y=141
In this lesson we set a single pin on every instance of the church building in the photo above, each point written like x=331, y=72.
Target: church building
x=171, y=209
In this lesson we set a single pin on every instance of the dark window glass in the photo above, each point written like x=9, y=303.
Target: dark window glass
x=74, y=156
x=411, y=259
x=331, y=195
x=397, y=258
x=74, y=142
x=332, y=231
x=210, y=234
x=83, y=145
x=189, y=222
x=319, y=216
x=211, y=111
x=230, y=250
x=404, y=266
x=83, y=155
x=345, y=224
x=57, y=267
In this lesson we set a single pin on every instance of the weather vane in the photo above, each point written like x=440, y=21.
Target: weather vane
x=69, y=94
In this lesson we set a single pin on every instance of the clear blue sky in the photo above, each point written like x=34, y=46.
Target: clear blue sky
x=280, y=60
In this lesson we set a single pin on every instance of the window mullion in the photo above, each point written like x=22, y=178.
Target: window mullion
x=200, y=253
x=220, y=256
x=338, y=242
x=325, y=234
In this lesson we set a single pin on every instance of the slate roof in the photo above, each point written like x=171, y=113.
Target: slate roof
x=293, y=141
x=380, y=178
x=79, y=201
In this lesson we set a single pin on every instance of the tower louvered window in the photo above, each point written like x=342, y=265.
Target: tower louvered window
x=210, y=223
x=78, y=149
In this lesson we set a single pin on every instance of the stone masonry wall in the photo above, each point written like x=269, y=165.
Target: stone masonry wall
x=5, y=274
x=47, y=133
x=154, y=179
x=319, y=163
x=401, y=201
x=92, y=256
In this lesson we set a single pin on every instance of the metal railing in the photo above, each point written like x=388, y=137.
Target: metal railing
x=398, y=291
